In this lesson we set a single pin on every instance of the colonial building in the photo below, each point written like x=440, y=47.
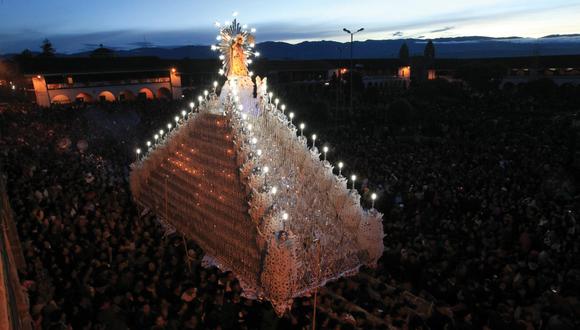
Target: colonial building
x=67, y=80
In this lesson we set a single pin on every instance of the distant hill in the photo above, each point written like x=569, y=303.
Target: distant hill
x=458, y=47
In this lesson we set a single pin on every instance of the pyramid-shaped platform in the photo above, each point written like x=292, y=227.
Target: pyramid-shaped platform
x=237, y=179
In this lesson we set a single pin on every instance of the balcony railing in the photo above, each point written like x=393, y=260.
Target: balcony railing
x=109, y=83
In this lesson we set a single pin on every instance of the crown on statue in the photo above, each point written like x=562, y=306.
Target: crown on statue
x=236, y=47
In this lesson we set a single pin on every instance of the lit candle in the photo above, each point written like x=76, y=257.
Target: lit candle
x=176, y=120
x=191, y=105
x=283, y=107
x=183, y=113
x=353, y=178
x=205, y=93
x=302, y=126
x=373, y=198
x=138, y=151
x=284, y=219
x=274, y=190
x=276, y=101
x=313, y=141
x=291, y=115
x=148, y=144
x=270, y=95
x=325, y=150
x=340, y=165
x=169, y=127
x=215, y=84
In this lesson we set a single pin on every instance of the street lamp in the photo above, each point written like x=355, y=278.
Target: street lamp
x=351, y=40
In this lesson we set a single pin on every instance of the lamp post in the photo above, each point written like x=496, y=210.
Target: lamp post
x=351, y=40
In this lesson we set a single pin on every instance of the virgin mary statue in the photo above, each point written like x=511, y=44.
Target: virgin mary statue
x=238, y=65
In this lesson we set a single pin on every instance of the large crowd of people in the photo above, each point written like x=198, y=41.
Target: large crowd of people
x=480, y=217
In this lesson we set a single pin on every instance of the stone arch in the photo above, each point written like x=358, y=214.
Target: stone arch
x=126, y=95
x=106, y=96
x=145, y=94
x=84, y=97
x=60, y=99
x=163, y=93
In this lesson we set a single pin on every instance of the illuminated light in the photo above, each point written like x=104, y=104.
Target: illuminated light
x=276, y=101
x=191, y=105
x=325, y=150
x=156, y=137
x=353, y=178
x=218, y=38
x=161, y=132
x=169, y=126
x=183, y=113
x=200, y=98
x=252, y=45
x=215, y=84
x=291, y=115
x=173, y=70
x=302, y=127
x=270, y=95
x=249, y=61
x=274, y=190
x=213, y=47
x=313, y=140
x=285, y=216
x=222, y=57
x=266, y=169
x=205, y=93
x=254, y=140
x=250, y=126
x=148, y=143
x=221, y=72
x=253, y=30
x=373, y=198
x=251, y=73
x=138, y=151
x=257, y=54
x=283, y=107
x=39, y=77
x=176, y=119
x=340, y=165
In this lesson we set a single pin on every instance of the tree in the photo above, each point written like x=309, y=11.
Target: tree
x=429, y=50
x=27, y=53
x=47, y=49
x=404, y=53
x=482, y=76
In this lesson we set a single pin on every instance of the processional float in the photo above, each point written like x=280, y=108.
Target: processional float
x=234, y=176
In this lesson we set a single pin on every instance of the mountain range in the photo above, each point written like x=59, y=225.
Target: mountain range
x=457, y=47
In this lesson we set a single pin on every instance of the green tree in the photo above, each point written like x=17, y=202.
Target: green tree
x=404, y=53
x=47, y=48
x=429, y=50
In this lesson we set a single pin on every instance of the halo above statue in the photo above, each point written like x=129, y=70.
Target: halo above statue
x=236, y=46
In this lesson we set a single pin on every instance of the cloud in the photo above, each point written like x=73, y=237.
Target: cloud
x=397, y=34
x=447, y=28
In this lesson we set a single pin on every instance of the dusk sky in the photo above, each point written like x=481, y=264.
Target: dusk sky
x=82, y=25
